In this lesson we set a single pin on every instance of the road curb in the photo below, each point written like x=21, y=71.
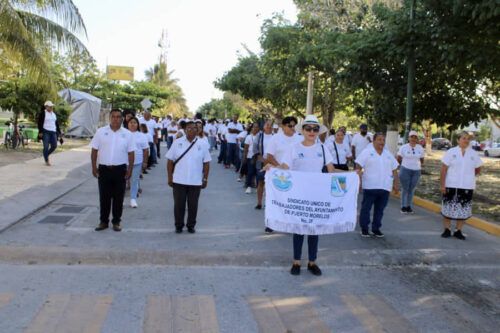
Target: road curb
x=57, y=255
x=475, y=222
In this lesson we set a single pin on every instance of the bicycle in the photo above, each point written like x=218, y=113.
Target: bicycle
x=15, y=138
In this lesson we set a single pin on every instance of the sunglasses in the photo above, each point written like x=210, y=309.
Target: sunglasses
x=314, y=129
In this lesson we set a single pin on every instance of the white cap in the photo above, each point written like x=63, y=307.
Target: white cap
x=413, y=133
x=275, y=126
x=48, y=103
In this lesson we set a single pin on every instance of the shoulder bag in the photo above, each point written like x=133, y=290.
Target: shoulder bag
x=185, y=152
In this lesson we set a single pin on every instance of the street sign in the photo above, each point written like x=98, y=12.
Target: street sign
x=146, y=103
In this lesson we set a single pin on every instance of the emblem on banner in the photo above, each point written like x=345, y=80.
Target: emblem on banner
x=339, y=186
x=281, y=180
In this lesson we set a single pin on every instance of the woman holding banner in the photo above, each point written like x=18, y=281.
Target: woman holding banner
x=308, y=156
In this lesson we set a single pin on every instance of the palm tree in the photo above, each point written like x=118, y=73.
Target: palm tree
x=26, y=25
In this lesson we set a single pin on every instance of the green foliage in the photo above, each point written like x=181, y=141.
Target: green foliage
x=358, y=51
x=25, y=25
x=27, y=98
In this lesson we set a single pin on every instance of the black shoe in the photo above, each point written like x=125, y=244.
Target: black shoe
x=258, y=207
x=404, y=210
x=268, y=230
x=446, y=233
x=295, y=270
x=101, y=227
x=378, y=233
x=178, y=230
x=458, y=234
x=314, y=269
x=116, y=227
x=191, y=230
x=365, y=233
x=409, y=210
x=145, y=172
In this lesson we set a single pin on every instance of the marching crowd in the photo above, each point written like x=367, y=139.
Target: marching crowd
x=124, y=151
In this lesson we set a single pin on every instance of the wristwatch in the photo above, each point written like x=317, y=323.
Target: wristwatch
x=205, y=179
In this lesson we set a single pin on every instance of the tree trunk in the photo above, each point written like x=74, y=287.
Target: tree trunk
x=391, y=138
x=427, y=128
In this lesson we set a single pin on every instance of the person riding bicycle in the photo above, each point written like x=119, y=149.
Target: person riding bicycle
x=48, y=130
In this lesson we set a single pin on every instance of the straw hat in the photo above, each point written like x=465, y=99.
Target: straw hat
x=310, y=120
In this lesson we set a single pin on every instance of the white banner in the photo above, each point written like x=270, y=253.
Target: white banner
x=309, y=203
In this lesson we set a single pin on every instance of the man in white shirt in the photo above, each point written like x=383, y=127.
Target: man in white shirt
x=153, y=132
x=164, y=127
x=188, y=165
x=112, y=160
x=211, y=131
x=171, y=132
x=48, y=130
x=380, y=175
x=233, y=129
x=360, y=141
x=222, y=134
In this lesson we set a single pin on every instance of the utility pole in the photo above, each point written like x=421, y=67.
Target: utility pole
x=411, y=75
x=310, y=93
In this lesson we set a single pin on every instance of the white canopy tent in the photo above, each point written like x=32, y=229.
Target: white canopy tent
x=84, y=119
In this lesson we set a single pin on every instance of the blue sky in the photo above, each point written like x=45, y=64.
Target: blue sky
x=205, y=36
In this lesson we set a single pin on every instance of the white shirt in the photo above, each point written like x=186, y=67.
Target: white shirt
x=158, y=127
x=204, y=140
x=141, y=143
x=189, y=170
x=165, y=123
x=377, y=169
x=172, y=128
x=151, y=124
x=308, y=158
x=265, y=141
x=249, y=140
x=411, y=156
x=280, y=145
x=231, y=137
x=461, y=168
x=113, y=146
x=343, y=151
x=210, y=129
x=222, y=130
x=360, y=142
x=49, y=123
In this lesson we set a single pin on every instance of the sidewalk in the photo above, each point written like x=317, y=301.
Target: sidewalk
x=27, y=187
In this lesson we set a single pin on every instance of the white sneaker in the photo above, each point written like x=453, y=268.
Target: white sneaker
x=249, y=190
x=239, y=180
x=133, y=203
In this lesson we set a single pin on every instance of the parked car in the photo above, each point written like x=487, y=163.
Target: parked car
x=441, y=143
x=493, y=151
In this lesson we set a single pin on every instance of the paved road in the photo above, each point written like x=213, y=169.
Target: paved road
x=58, y=275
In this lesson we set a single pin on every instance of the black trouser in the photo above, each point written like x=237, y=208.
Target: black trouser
x=183, y=194
x=341, y=167
x=223, y=152
x=158, y=148
x=111, y=192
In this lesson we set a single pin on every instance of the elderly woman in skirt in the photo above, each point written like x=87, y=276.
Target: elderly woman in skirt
x=460, y=166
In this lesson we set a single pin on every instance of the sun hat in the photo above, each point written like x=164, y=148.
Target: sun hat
x=310, y=120
x=413, y=133
x=48, y=103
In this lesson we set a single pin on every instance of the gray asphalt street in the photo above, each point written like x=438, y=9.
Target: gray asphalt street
x=58, y=275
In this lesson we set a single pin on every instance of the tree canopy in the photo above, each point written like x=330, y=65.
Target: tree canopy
x=358, y=51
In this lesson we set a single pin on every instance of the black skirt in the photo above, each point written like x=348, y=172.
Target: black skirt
x=457, y=204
